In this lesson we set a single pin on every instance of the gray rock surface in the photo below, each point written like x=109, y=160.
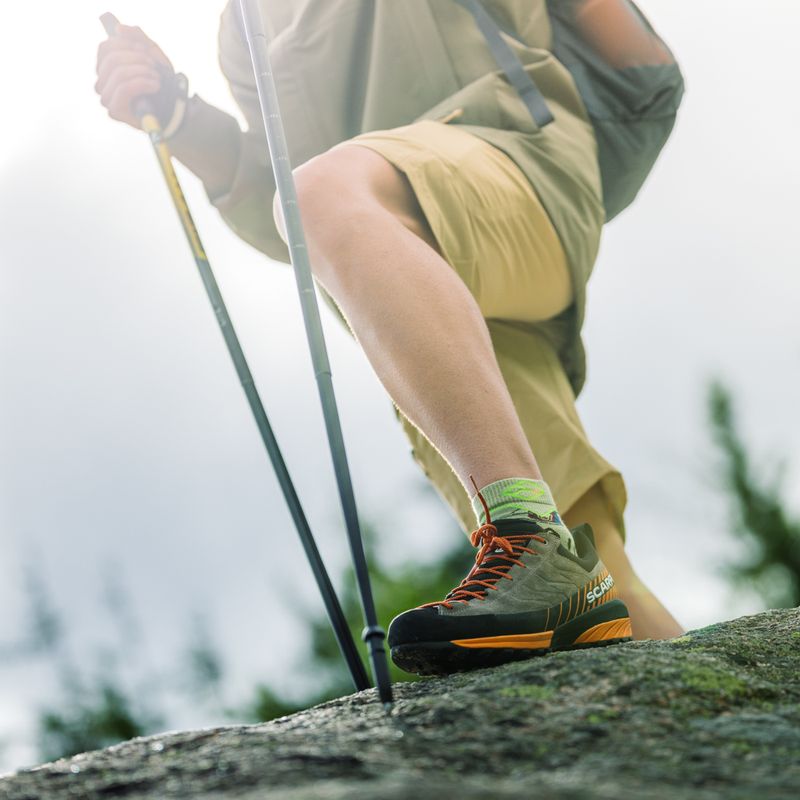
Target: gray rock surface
x=714, y=714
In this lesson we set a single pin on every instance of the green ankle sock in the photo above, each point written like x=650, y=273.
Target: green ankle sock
x=522, y=498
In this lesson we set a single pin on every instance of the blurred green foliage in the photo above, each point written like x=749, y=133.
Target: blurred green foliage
x=770, y=563
x=98, y=705
x=99, y=716
x=94, y=707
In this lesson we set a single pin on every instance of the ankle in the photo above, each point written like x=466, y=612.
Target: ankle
x=526, y=499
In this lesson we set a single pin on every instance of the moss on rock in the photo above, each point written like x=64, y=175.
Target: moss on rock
x=713, y=714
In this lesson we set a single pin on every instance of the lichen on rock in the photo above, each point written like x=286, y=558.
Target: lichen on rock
x=712, y=714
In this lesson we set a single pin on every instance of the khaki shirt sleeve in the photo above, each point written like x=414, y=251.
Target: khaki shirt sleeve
x=247, y=205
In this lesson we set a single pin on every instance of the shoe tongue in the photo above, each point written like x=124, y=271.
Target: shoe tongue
x=496, y=557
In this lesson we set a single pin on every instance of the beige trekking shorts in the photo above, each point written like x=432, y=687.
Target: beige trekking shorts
x=494, y=232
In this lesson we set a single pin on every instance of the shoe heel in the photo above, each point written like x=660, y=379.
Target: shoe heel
x=609, y=623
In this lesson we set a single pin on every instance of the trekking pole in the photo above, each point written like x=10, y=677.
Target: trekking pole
x=373, y=634
x=150, y=124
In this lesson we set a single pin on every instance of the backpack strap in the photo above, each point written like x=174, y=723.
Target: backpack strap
x=507, y=61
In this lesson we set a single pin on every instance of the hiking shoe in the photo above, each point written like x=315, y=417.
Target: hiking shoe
x=527, y=595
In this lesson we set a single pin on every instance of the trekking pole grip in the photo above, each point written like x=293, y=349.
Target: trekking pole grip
x=141, y=106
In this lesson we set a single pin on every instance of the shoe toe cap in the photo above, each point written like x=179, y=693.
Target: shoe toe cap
x=433, y=624
x=416, y=625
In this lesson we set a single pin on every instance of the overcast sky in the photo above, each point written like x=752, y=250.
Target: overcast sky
x=126, y=443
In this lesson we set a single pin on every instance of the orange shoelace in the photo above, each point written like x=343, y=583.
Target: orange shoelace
x=512, y=545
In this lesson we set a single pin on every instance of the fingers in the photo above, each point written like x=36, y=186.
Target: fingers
x=126, y=83
x=128, y=39
x=116, y=59
x=119, y=107
x=127, y=68
x=132, y=33
x=136, y=37
x=144, y=48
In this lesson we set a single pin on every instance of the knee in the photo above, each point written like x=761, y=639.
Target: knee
x=337, y=205
x=317, y=183
x=332, y=189
x=322, y=198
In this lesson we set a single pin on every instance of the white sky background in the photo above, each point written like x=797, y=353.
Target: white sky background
x=125, y=441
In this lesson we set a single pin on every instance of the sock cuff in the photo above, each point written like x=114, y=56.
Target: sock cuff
x=529, y=489
x=511, y=497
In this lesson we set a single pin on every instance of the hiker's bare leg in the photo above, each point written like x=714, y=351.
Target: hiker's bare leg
x=650, y=620
x=421, y=329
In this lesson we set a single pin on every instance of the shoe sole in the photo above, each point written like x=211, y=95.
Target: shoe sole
x=605, y=625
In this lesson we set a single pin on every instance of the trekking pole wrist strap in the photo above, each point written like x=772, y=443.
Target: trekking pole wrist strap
x=179, y=110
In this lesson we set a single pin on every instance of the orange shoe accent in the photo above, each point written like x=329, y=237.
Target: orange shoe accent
x=519, y=641
x=613, y=629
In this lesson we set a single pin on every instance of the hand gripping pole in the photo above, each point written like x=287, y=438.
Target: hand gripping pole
x=150, y=124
